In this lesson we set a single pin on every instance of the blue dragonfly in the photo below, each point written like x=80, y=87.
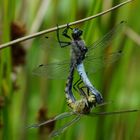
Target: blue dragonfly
x=82, y=57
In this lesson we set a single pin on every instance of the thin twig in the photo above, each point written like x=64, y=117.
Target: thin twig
x=62, y=26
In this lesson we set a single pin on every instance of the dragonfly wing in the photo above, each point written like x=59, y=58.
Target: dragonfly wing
x=52, y=48
x=53, y=70
x=94, y=114
x=48, y=42
x=102, y=43
x=63, y=128
x=58, y=70
x=64, y=115
x=93, y=64
x=104, y=103
x=58, y=117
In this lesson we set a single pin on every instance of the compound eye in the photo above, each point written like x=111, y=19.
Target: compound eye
x=80, y=32
x=76, y=33
x=75, y=30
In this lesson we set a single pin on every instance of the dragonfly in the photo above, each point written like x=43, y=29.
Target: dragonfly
x=77, y=117
x=79, y=108
x=88, y=101
x=89, y=57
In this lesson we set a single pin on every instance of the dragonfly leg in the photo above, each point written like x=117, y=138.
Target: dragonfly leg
x=63, y=43
x=85, y=92
x=82, y=92
x=75, y=84
x=84, y=87
x=81, y=89
x=65, y=32
x=76, y=87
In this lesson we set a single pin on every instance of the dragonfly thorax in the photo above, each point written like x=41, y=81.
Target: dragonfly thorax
x=79, y=51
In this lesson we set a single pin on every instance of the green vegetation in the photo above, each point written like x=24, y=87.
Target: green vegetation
x=27, y=99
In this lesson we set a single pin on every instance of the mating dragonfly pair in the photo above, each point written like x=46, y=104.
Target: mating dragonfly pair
x=81, y=57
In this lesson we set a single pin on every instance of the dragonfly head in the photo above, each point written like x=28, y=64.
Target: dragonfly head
x=76, y=33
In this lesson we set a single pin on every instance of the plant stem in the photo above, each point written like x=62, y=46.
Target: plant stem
x=62, y=26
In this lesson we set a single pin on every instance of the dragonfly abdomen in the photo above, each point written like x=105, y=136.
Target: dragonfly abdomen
x=68, y=89
x=86, y=81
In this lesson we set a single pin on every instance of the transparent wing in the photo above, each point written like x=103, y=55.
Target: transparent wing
x=50, y=44
x=103, y=104
x=93, y=61
x=45, y=42
x=60, y=70
x=94, y=114
x=93, y=64
x=58, y=117
x=53, y=70
x=63, y=128
x=102, y=43
x=96, y=58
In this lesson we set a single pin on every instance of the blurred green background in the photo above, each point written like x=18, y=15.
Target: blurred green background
x=26, y=99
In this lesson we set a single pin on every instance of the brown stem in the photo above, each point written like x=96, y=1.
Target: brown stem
x=61, y=26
